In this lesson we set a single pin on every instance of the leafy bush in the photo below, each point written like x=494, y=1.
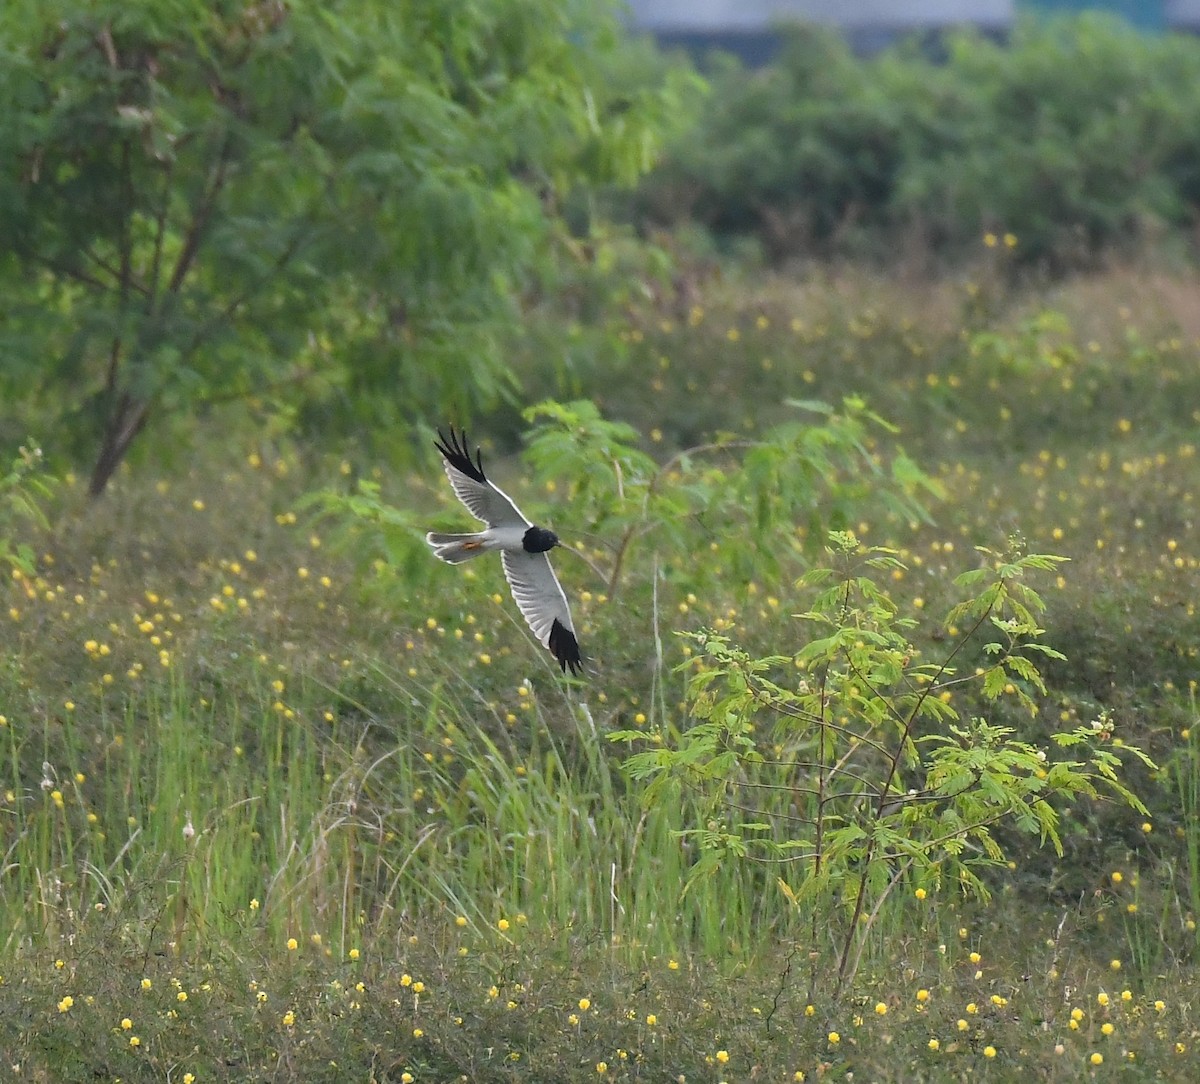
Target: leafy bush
x=1076, y=136
x=23, y=491
x=846, y=762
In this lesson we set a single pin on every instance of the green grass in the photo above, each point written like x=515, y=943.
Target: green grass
x=228, y=726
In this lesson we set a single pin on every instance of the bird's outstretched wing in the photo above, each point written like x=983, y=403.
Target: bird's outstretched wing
x=540, y=598
x=484, y=500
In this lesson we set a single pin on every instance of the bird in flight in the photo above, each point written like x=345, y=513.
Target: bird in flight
x=523, y=550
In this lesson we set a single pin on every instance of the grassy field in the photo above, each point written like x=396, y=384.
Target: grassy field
x=283, y=798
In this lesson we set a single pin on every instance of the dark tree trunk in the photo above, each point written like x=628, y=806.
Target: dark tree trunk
x=125, y=423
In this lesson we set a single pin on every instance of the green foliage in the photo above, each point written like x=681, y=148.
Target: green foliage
x=199, y=201
x=385, y=536
x=1042, y=343
x=846, y=761
x=23, y=493
x=733, y=506
x=1077, y=136
x=756, y=503
x=368, y=767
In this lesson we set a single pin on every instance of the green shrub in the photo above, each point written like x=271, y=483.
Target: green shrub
x=846, y=764
x=22, y=492
x=1076, y=136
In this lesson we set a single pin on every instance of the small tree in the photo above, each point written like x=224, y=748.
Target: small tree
x=744, y=495
x=847, y=762
x=288, y=202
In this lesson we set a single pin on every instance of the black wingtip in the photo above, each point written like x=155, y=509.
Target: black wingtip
x=455, y=452
x=565, y=648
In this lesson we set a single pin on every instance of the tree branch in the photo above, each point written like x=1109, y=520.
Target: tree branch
x=200, y=220
x=160, y=228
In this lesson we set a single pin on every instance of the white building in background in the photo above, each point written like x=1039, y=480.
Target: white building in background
x=716, y=15
x=1182, y=14
x=747, y=26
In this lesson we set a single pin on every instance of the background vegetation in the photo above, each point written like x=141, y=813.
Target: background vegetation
x=283, y=798
x=1079, y=137
x=213, y=196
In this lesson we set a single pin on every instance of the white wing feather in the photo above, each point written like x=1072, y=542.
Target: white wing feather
x=538, y=594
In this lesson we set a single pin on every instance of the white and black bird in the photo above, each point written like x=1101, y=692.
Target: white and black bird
x=523, y=550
